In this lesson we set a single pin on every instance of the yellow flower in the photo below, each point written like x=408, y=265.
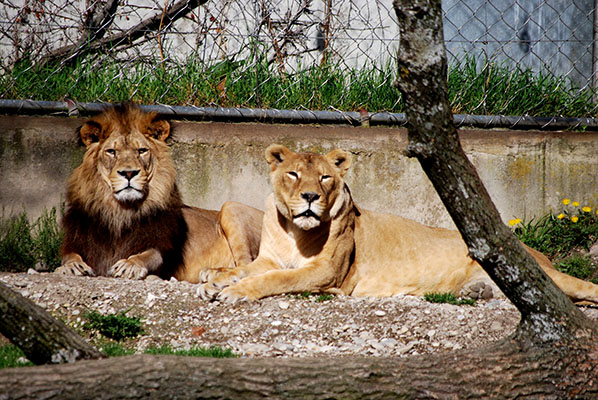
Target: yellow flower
x=574, y=219
x=561, y=216
x=575, y=203
x=513, y=222
x=587, y=209
x=566, y=201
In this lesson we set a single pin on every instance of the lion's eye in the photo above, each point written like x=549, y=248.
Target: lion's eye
x=111, y=152
x=324, y=178
x=293, y=175
x=141, y=151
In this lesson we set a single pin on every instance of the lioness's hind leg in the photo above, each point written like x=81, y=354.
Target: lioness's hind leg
x=242, y=227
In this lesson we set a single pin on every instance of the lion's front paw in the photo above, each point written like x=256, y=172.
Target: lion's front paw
x=128, y=270
x=219, y=277
x=78, y=268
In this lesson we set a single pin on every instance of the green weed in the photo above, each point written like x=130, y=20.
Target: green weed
x=582, y=267
x=114, y=326
x=557, y=235
x=448, y=298
x=25, y=245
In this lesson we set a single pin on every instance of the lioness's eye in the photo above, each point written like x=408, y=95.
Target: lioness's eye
x=111, y=152
x=293, y=175
x=142, y=151
x=324, y=178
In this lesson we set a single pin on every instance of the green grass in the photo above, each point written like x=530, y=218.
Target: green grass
x=11, y=356
x=114, y=326
x=25, y=245
x=213, y=352
x=475, y=86
x=448, y=298
x=319, y=297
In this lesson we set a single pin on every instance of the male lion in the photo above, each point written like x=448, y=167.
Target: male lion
x=314, y=238
x=125, y=217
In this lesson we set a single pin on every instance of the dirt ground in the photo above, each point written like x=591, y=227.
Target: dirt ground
x=282, y=326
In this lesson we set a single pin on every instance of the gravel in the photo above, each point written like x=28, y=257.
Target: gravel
x=281, y=326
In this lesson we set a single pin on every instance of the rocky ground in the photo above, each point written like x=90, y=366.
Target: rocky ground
x=281, y=326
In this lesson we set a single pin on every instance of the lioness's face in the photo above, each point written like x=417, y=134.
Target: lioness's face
x=125, y=150
x=306, y=185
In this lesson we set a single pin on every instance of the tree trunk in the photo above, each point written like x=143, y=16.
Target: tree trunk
x=547, y=314
x=42, y=338
x=499, y=372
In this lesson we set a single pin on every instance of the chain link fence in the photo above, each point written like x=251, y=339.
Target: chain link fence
x=164, y=51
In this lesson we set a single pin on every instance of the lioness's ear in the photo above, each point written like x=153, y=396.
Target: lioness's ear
x=341, y=159
x=275, y=154
x=89, y=133
x=159, y=129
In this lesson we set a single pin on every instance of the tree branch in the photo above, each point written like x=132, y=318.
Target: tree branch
x=43, y=339
x=76, y=51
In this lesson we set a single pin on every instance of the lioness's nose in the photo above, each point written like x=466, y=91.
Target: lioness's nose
x=310, y=196
x=129, y=173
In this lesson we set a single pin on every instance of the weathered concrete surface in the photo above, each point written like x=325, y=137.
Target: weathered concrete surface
x=526, y=173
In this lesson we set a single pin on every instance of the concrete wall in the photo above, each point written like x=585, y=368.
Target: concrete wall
x=526, y=173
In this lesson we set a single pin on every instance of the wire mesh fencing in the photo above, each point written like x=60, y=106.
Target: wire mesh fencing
x=507, y=57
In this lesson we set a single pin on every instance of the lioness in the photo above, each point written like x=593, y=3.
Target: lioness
x=125, y=217
x=314, y=238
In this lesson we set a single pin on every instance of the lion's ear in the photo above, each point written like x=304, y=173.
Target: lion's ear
x=340, y=159
x=159, y=129
x=275, y=154
x=89, y=133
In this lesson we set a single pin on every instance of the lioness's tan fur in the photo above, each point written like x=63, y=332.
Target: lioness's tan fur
x=339, y=248
x=125, y=217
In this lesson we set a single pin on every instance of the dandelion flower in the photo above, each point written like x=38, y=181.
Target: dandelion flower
x=566, y=201
x=513, y=222
x=575, y=204
x=574, y=219
x=561, y=216
x=587, y=209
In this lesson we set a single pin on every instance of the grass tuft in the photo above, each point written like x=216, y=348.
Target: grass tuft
x=212, y=352
x=11, y=356
x=25, y=245
x=114, y=326
x=448, y=298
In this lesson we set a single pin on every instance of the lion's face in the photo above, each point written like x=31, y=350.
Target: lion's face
x=126, y=143
x=126, y=164
x=307, y=186
x=127, y=170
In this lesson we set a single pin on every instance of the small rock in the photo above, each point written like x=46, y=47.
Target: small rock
x=276, y=323
x=283, y=305
x=32, y=271
x=380, y=313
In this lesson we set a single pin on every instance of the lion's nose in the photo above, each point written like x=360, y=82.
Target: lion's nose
x=129, y=173
x=310, y=196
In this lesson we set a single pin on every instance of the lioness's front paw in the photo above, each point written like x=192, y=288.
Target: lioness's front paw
x=207, y=291
x=237, y=293
x=78, y=268
x=128, y=270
